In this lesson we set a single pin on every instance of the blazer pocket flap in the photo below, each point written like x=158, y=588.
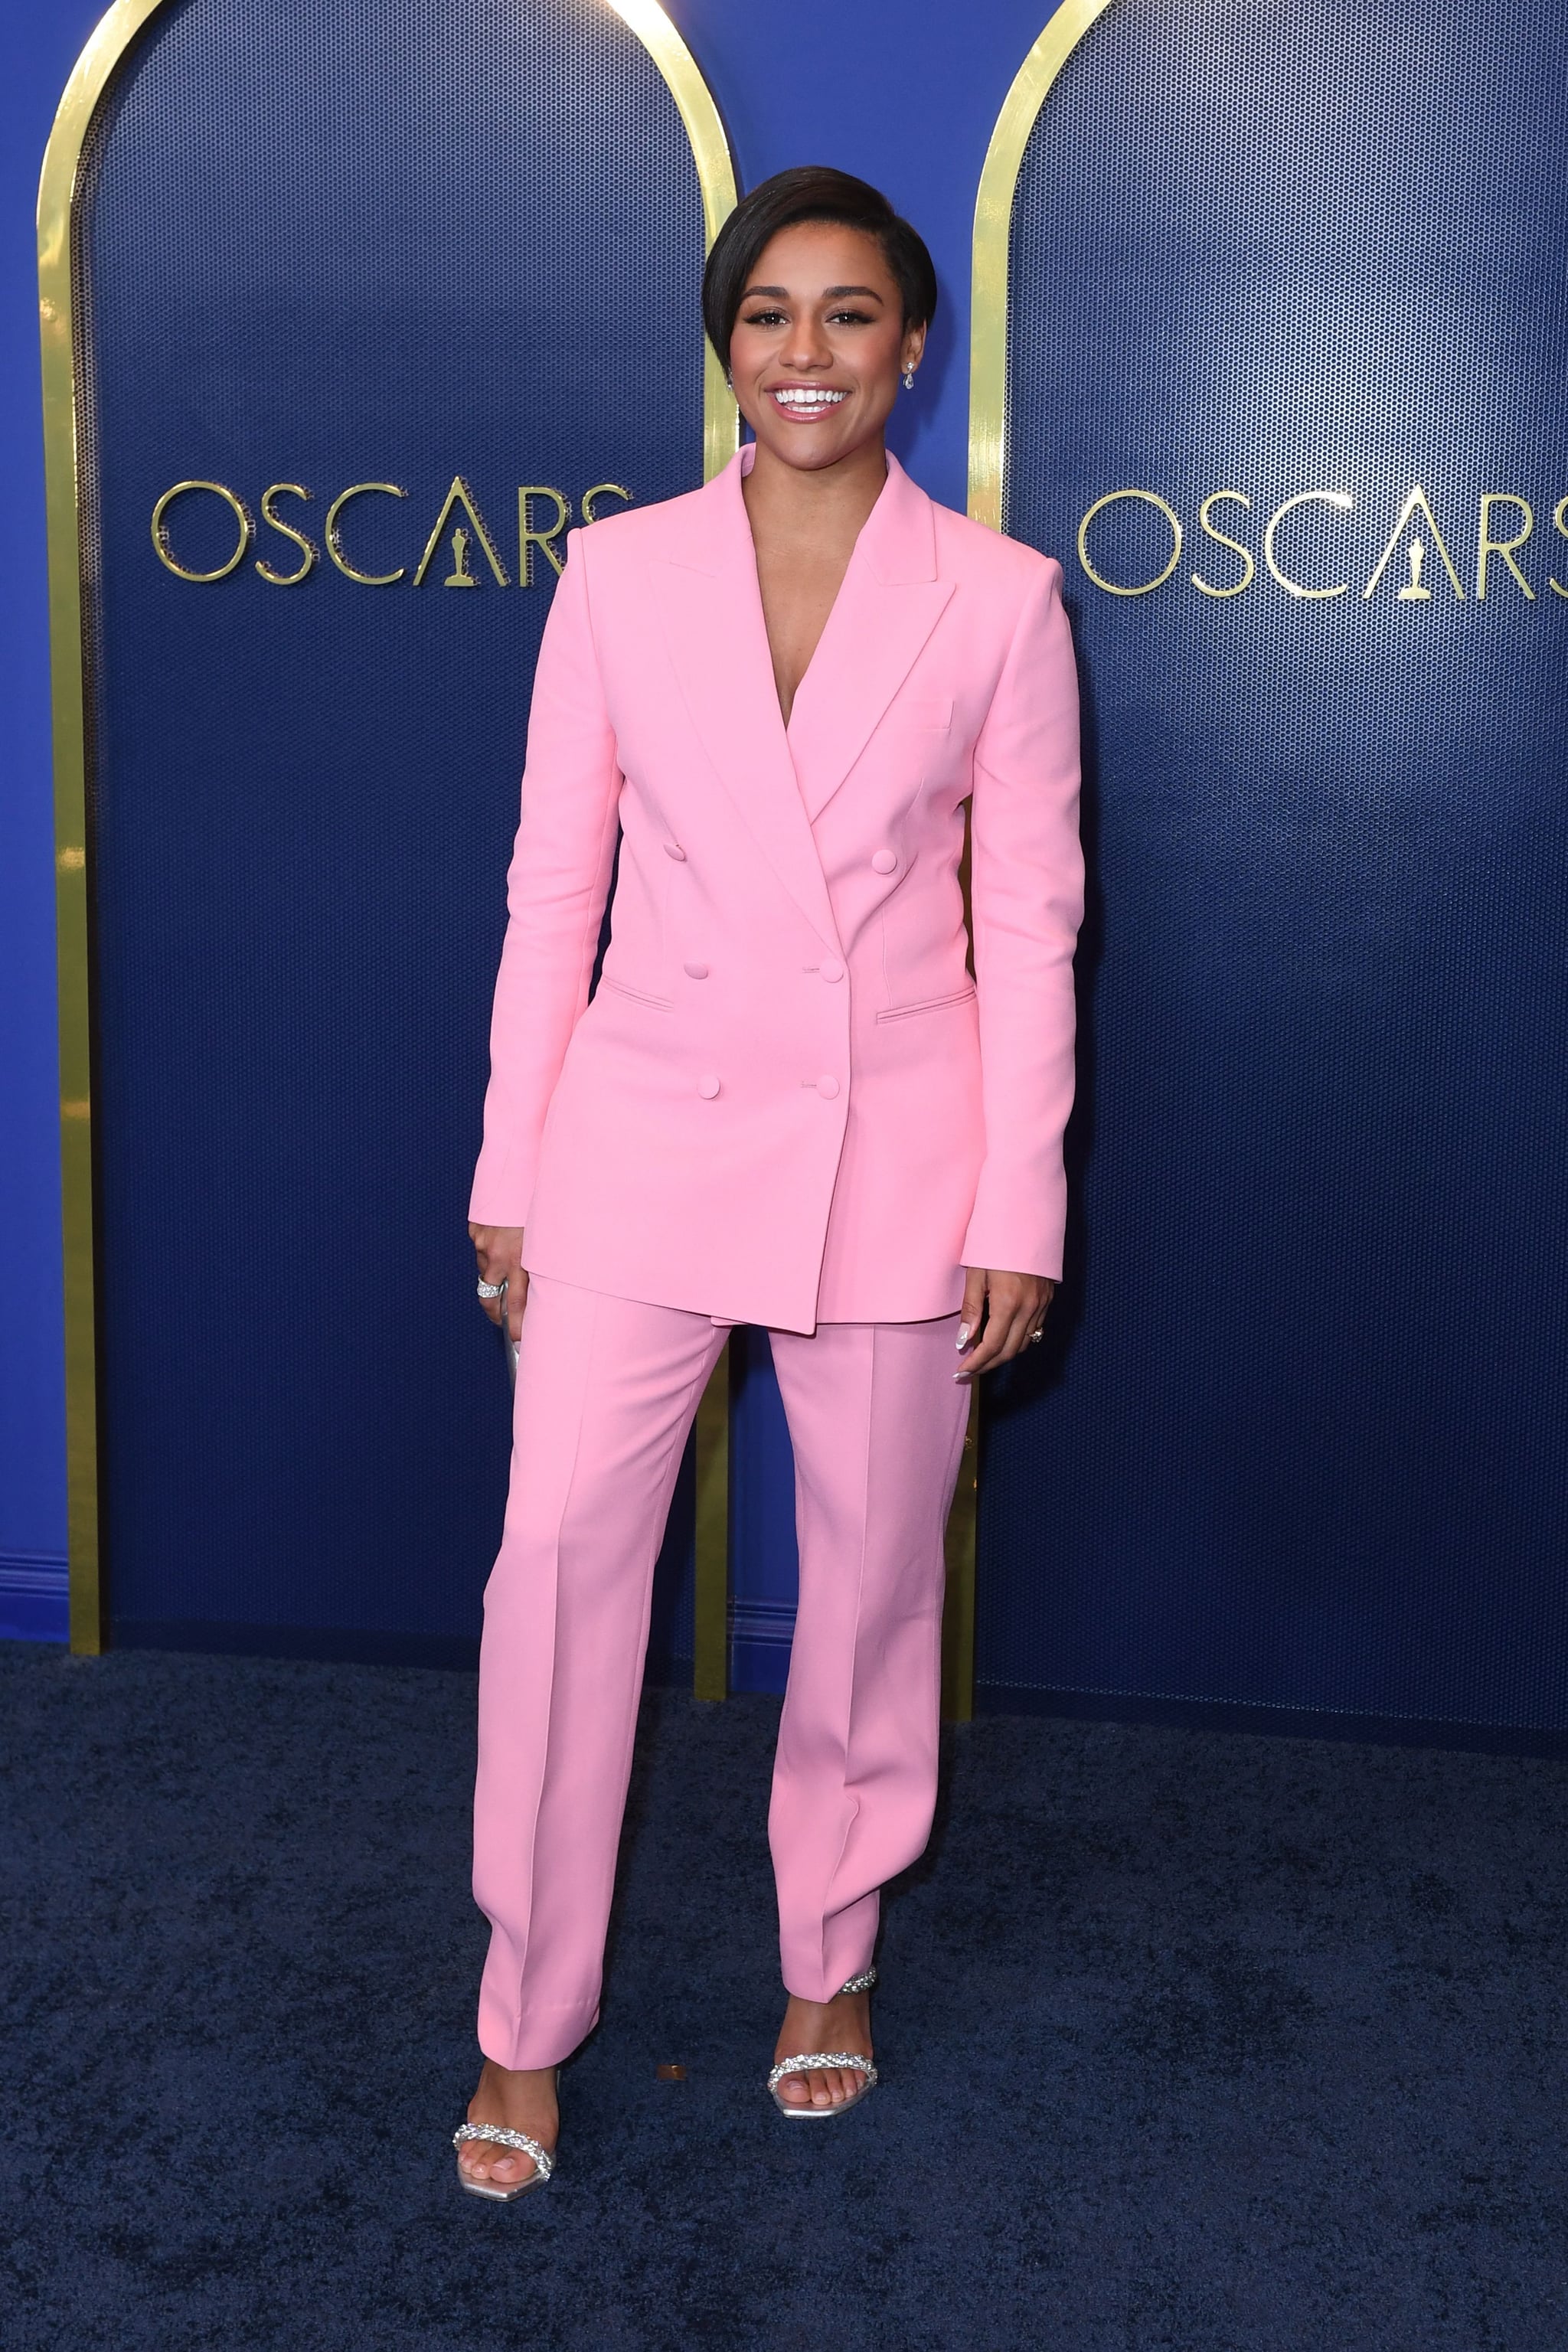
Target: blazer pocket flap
x=927, y=1005
x=634, y=995
x=927, y=710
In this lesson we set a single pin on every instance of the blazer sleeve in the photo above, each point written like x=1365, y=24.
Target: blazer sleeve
x=1027, y=903
x=556, y=887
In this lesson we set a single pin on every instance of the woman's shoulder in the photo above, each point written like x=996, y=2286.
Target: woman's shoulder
x=626, y=533
x=968, y=550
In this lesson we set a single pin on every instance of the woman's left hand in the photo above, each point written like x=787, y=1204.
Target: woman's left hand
x=1001, y=1314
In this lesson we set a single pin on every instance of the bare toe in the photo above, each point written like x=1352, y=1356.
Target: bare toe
x=839, y=2024
x=483, y=2159
x=527, y=2104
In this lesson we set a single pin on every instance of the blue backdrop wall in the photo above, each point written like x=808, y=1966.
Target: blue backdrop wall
x=1298, y=1439
x=306, y=792
x=906, y=95
x=1295, y=1446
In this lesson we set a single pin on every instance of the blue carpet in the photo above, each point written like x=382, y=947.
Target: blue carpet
x=1193, y=2042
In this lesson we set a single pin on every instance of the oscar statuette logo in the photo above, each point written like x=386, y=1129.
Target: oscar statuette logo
x=460, y=535
x=1417, y=553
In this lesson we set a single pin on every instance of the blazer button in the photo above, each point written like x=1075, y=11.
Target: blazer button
x=673, y=849
x=708, y=1086
x=830, y=968
x=695, y=971
x=827, y=1086
x=885, y=861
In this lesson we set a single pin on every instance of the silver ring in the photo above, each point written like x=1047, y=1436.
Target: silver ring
x=1035, y=1336
x=491, y=1289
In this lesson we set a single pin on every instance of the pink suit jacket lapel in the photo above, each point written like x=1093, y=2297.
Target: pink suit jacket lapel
x=888, y=607
x=710, y=611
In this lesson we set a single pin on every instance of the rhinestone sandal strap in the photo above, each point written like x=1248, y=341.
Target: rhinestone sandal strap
x=503, y=2136
x=848, y=2061
x=860, y=1983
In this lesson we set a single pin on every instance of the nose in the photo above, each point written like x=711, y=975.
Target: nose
x=805, y=346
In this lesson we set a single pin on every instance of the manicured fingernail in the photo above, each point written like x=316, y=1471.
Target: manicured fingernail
x=963, y=1334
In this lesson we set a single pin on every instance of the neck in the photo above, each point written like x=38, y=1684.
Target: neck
x=823, y=503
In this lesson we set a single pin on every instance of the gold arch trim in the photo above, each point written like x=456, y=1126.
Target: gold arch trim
x=107, y=50
x=987, y=461
x=992, y=239
x=716, y=178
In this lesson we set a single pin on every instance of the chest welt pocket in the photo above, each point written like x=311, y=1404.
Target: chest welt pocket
x=929, y=1004
x=930, y=714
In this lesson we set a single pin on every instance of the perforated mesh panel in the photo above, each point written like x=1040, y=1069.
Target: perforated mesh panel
x=1298, y=1438
x=330, y=244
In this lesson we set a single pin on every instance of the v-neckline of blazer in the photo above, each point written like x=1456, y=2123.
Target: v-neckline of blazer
x=890, y=598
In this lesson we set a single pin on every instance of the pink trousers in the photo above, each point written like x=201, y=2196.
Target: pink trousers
x=606, y=1390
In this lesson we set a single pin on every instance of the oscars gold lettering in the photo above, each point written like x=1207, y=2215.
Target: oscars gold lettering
x=1486, y=546
x=528, y=538
x=334, y=544
x=1112, y=587
x=601, y=490
x=460, y=495
x=307, y=547
x=1205, y=517
x=166, y=556
x=1415, y=547
x=1415, y=502
x=1339, y=500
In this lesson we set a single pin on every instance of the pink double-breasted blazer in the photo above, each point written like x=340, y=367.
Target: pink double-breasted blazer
x=789, y=1101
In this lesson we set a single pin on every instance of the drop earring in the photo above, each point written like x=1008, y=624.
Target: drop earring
x=909, y=379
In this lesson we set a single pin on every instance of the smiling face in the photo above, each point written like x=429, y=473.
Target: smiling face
x=820, y=343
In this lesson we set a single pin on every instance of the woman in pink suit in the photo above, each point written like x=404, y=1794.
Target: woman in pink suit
x=789, y=1103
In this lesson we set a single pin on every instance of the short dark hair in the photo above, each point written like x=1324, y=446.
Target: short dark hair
x=812, y=191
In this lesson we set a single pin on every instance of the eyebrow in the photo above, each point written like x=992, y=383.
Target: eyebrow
x=829, y=293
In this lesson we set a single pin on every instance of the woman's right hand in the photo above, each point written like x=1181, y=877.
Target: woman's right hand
x=499, y=1249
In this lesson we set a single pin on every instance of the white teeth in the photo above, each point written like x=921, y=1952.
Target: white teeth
x=809, y=398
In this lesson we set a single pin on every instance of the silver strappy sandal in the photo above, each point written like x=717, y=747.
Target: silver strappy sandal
x=505, y=2192
x=848, y=2061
